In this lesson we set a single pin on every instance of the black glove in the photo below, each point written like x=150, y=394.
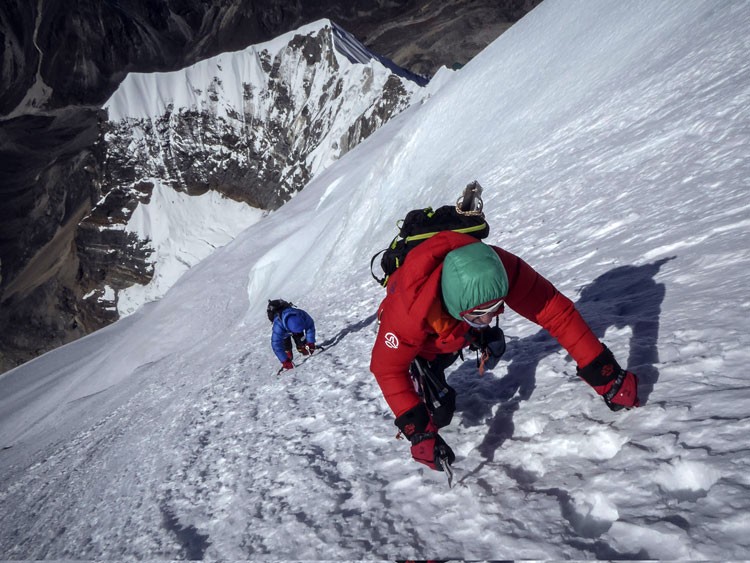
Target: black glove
x=618, y=388
x=490, y=343
x=427, y=446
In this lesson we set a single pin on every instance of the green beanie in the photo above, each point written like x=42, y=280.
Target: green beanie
x=472, y=275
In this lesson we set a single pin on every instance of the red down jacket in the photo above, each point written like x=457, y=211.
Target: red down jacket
x=413, y=321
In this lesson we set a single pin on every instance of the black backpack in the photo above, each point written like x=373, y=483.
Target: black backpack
x=420, y=224
x=275, y=307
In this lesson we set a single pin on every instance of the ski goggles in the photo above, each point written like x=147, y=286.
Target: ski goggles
x=481, y=316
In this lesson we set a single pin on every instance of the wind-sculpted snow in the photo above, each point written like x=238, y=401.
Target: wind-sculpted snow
x=170, y=435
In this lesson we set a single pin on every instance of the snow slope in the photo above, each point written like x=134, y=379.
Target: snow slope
x=614, y=148
x=182, y=230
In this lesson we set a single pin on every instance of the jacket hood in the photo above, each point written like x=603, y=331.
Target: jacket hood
x=472, y=275
x=292, y=321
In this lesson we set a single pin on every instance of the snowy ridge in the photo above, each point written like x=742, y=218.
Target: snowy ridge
x=623, y=180
x=148, y=95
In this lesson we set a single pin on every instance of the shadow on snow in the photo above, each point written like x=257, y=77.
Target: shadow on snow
x=356, y=327
x=627, y=296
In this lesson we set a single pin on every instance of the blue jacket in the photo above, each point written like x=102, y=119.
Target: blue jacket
x=291, y=320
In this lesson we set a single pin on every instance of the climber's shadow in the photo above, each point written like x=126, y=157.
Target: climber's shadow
x=356, y=327
x=625, y=296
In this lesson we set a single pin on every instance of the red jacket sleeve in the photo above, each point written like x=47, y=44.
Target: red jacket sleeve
x=391, y=357
x=535, y=298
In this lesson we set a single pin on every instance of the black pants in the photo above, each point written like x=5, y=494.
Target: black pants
x=299, y=341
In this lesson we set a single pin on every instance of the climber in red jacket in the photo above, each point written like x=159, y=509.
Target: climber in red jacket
x=443, y=299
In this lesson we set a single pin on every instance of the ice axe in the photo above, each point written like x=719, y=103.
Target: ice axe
x=470, y=202
x=443, y=462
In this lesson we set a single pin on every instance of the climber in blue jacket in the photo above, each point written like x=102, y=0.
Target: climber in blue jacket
x=290, y=323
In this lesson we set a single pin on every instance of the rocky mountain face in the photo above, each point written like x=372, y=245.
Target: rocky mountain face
x=254, y=125
x=256, y=122
x=69, y=187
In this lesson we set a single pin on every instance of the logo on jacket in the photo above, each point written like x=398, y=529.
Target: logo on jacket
x=391, y=340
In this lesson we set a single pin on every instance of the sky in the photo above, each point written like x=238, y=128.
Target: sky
x=614, y=148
